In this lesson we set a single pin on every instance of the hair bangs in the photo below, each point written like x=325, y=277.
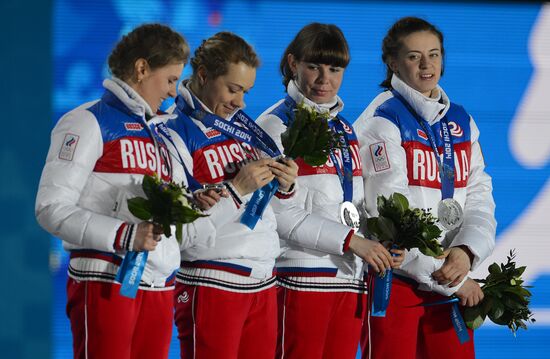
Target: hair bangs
x=327, y=51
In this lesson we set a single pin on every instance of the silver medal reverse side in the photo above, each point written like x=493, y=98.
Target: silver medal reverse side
x=449, y=213
x=349, y=215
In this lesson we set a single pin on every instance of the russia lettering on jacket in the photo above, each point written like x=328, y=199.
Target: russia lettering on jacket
x=422, y=167
x=221, y=160
x=134, y=155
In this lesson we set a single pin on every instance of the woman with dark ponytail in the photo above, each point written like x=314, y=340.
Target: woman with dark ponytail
x=402, y=134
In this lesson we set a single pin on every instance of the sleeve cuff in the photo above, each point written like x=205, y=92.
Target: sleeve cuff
x=125, y=236
x=234, y=194
x=348, y=240
x=285, y=195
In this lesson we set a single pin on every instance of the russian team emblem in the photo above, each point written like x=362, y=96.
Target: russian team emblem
x=68, y=147
x=379, y=156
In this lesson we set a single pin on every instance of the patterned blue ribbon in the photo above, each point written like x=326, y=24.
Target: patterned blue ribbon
x=456, y=318
x=381, y=295
x=382, y=291
x=345, y=174
x=130, y=272
x=192, y=183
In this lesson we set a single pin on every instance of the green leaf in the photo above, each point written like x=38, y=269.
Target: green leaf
x=150, y=185
x=430, y=252
x=504, y=319
x=179, y=232
x=431, y=232
x=388, y=231
x=140, y=208
x=496, y=312
x=166, y=204
x=315, y=160
x=401, y=202
x=494, y=269
x=189, y=215
x=476, y=323
x=291, y=134
x=470, y=313
x=486, y=305
x=520, y=271
x=473, y=316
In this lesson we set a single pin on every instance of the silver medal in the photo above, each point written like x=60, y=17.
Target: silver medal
x=449, y=213
x=349, y=215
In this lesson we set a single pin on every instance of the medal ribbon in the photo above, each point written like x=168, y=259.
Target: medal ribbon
x=191, y=181
x=382, y=291
x=130, y=272
x=345, y=174
x=250, y=133
x=446, y=166
x=381, y=295
x=456, y=318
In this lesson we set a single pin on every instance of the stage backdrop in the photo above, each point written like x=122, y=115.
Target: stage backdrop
x=497, y=66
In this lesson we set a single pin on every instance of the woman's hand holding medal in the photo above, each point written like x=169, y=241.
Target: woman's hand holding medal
x=208, y=197
x=253, y=175
x=285, y=171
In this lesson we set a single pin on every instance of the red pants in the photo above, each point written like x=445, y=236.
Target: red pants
x=214, y=323
x=319, y=324
x=107, y=325
x=412, y=331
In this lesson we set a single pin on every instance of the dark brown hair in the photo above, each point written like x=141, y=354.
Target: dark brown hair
x=392, y=42
x=158, y=44
x=218, y=51
x=316, y=43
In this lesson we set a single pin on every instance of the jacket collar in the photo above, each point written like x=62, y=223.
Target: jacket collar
x=128, y=96
x=333, y=107
x=185, y=92
x=430, y=109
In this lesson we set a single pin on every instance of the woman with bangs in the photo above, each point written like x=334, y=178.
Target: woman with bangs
x=322, y=293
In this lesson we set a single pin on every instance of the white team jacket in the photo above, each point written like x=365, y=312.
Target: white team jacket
x=393, y=168
x=85, y=205
x=237, y=254
x=311, y=232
